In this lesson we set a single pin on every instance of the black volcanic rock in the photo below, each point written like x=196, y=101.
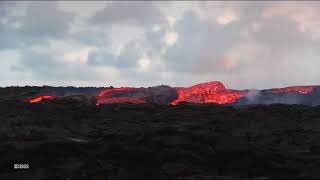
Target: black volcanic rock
x=71, y=138
x=64, y=139
x=22, y=93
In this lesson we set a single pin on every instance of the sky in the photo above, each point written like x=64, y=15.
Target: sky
x=245, y=45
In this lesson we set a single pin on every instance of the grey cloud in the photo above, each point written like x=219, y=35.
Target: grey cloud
x=281, y=35
x=100, y=58
x=5, y=6
x=43, y=66
x=46, y=67
x=201, y=44
x=249, y=12
x=154, y=39
x=8, y=38
x=93, y=38
x=128, y=58
x=140, y=13
x=45, y=19
x=12, y=38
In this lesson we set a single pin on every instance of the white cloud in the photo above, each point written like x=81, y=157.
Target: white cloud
x=170, y=38
x=156, y=28
x=171, y=20
x=79, y=56
x=227, y=17
x=144, y=62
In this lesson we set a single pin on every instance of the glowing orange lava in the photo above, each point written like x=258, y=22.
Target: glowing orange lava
x=106, y=96
x=109, y=92
x=210, y=92
x=299, y=89
x=119, y=100
x=40, y=98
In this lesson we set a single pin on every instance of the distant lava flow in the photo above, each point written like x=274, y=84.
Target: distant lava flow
x=211, y=92
x=107, y=96
x=299, y=89
x=40, y=98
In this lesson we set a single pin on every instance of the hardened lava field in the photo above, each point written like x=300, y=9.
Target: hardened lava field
x=69, y=139
x=202, y=132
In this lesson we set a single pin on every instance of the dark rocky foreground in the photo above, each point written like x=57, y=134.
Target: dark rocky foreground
x=65, y=139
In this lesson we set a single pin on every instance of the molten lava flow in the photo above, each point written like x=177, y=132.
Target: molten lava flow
x=106, y=96
x=211, y=92
x=298, y=89
x=109, y=92
x=40, y=98
x=120, y=100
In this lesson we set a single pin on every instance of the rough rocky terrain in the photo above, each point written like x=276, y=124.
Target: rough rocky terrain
x=71, y=140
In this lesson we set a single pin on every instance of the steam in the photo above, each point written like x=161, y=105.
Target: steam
x=252, y=95
x=269, y=97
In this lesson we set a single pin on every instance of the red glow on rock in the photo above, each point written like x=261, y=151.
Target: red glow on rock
x=106, y=96
x=298, y=89
x=40, y=98
x=210, y=92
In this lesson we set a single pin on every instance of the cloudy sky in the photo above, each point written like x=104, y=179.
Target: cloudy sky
x=242, y=44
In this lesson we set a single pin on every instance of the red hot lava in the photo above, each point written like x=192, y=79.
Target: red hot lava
x=299, y=89
x=119, y=100
x=211, y=92
x=109, y=92
x=40, y=98
x=106, y=96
